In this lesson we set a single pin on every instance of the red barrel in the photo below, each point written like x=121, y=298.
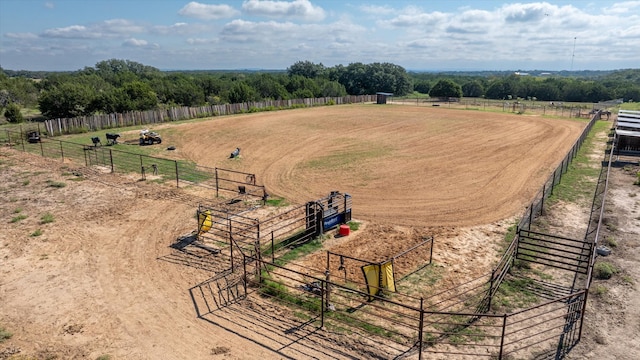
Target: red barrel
x=344, y=230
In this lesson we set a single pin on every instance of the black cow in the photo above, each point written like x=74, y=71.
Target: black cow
x=112, y=138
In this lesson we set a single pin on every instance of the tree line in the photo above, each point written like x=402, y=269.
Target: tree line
x=117, y=86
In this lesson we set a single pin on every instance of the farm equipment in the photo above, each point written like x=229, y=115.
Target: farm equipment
x=33, y=137
x=149, y=137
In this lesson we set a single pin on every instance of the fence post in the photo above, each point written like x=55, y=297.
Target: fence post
x=216, y=182
x=328, y=279
x=273, y=249
x=177, y=174
x=41, y=148
x=22, y=138
x=323, y=294
x=86, y=163
x=420, y=328
x=531, y=215
x=111, y=160
x=61, y=151
x=504, y=327
x=544, y=190
x=231, y=242
x=493, y=273
x=584, y=309
x=244, y=280
x=431, y=250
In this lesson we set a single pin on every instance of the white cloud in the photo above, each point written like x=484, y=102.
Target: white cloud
x=21, y=36
x=300, y=9
x=119, y=26
x=105, y=29
x=181, y=29
x=207, y=12
x=623, y=8
x=72, y=32
x=135, y=42
x=377, y=10
x=415, y=19
x=139, y=43
x=273, y=31
x=201, y=41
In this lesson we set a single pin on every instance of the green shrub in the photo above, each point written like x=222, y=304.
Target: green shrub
x=4, y=334
x=18, y=218
x=38, y=232
x=56, y=184
x=46, y=218
x=604, y=270
x=354, y=225
x=12, y=113
x=600, y=290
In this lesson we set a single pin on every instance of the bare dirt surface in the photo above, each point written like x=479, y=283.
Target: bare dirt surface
x=403, y=165
x=101, y=279
x=94, y=283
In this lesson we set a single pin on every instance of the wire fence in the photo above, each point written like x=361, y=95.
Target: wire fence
x=512, y=106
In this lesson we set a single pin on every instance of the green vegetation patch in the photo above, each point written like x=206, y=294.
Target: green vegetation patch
x=20, y=217
x=515, y=293
x=578, y=183
x=4, y=334
x=47, y=218
x=604, y=270
x=349, y=158
x=56, y=184
x=276, y=201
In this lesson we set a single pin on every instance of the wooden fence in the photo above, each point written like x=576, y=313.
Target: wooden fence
x=136, y=118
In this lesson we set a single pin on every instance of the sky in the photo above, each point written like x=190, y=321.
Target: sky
x=429, y=35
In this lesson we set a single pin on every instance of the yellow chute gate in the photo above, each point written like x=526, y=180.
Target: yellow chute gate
x=204, y=222
x=379, y=278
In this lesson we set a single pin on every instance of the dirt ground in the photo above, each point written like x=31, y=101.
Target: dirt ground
x=96, y=279
x=403, y=165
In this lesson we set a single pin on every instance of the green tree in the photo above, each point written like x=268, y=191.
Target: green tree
x=301, y=85
x=66, y=100
x=473, y=88
x=241, y=92
x=446, y=88
x=12, y=113
x=422, y=86
x=306, y=69
x=331, y=88
x=136, y=95
x=268, y=87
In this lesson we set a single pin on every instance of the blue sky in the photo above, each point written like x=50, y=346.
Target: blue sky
x=260, y=34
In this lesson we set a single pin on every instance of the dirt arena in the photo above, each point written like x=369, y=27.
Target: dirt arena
x=96, y=280
x=402, y=164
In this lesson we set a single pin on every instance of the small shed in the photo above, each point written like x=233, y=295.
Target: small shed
x=382, y=97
